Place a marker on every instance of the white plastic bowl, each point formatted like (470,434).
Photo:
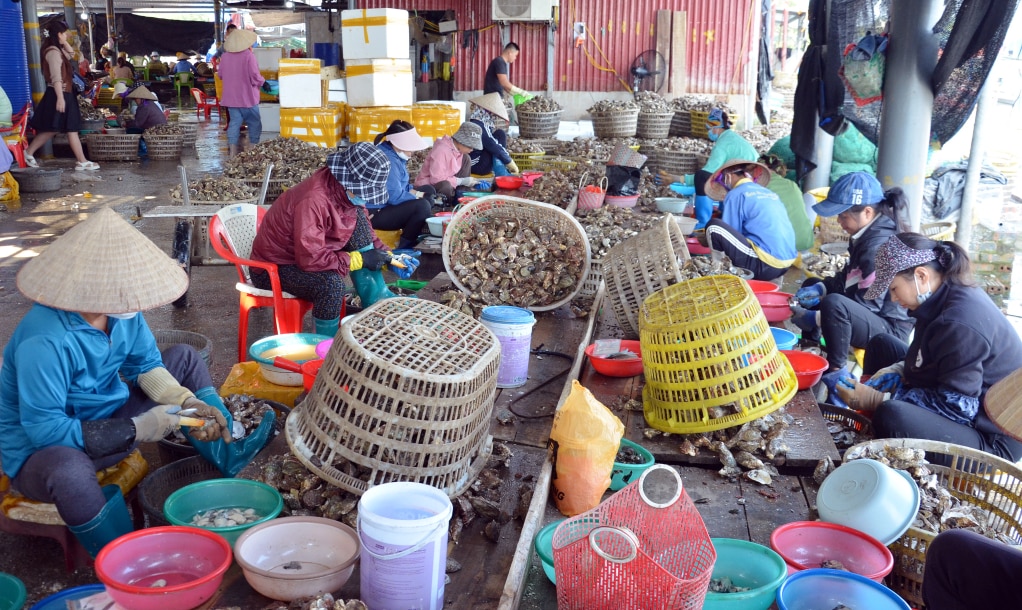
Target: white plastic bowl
(436,225)
(671,205)
(870,497)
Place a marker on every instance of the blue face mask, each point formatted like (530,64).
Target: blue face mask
(712,134)
(356,200)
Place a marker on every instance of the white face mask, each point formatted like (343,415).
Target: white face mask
(402,155)
(123,316)
(921,296)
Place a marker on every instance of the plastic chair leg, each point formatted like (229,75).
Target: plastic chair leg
(19,154)
(242,331)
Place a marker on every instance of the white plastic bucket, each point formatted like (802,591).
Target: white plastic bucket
(403,529)
(513,327)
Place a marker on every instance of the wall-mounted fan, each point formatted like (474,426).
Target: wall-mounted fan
(649,71)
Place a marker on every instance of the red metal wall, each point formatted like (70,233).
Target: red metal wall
(722,32)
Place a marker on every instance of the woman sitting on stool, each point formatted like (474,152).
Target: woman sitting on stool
(405,208)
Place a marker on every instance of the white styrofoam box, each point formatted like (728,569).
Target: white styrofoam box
(337,85)
(379,82)
(268,57)
(334,95)
(270,116)
(374,33)
(300,83)
(461,106)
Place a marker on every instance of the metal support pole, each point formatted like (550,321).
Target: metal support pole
(550,50)
(908,101)
(70,17)
(32,34)
(972,174)
(218,23)
(111,29)
(784,38)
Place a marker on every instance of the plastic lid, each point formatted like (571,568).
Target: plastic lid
(507,314)
(58,601)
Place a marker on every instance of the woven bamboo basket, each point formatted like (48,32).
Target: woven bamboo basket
(164,147)
(640,266)
(681,124)
(939,231)
(103,147)
(831,231)
(526,161)
(37,179)
(974,477)
(654,125)
(709,357)
(678,162)
(538,124)
(618,124)
(405,394)
(190,129)
(591,285)
(480,214)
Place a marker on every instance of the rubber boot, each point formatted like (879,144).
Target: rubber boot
(370,286)
(326,327)
(112,522)
(704,210)
(232,150)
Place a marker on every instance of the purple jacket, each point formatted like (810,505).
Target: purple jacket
(240,73)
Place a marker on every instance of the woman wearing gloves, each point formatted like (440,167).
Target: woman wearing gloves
(82,381)
(935,387)
(448,166)
(405,208)
(493,157)
(836,307)
(319,231)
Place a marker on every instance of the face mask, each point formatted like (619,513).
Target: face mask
(123,316)
(921,296)
(712,134)
(401,155)
(356,200)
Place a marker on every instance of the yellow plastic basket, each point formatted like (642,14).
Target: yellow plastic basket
(526,161)
(709,358)
(939,231)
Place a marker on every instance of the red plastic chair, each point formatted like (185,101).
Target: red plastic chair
(17,139)
(204,102)
(232,231)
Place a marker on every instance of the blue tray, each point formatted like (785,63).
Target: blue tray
(58,601)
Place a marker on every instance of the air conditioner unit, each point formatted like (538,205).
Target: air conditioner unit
(523,10)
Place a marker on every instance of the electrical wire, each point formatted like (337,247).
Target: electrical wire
(539,351)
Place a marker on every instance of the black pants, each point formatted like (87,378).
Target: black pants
(408,217)
(324,289)
(902,419)
(846,323)
(965,570)
(722,237)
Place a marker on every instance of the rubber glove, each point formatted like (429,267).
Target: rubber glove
(468,181)
(810,296)
(374,259)
(518,90)
(156,423)
(513,167)
(215,428)
(860,396)
(266,87)
(665,177)
(410,265)
(805,319)
(888,379)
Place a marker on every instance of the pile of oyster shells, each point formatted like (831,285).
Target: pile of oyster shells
(415,161)
(558,187)
(693,102)
(603,106)
(215,188)
(520,145)
(650,101)
(324,601)
(293,159)
(166,129)
(88,111)
(608,226)
(540,103)
(593,148)
(823,264)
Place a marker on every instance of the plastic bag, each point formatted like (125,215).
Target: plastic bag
(586,437)
(231,458)
(623,180)
(863,67)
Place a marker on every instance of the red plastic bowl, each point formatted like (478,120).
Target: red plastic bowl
(191,561)
(762,286)
(807,544)
(612,367)
(694,247)
(509,182)
(775,305)
(808,367)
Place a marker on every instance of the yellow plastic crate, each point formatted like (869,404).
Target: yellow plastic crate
(364,124)
(526,161)
(709,357)
(699,119)
(435,120)
(322,127)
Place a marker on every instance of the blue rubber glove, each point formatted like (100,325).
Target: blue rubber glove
(810,295)
(410,265)
(805,319)
(408,251)
(888,382)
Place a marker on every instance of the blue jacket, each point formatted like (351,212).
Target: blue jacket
(58,370)
(482,160)
(758,214)
(399,186)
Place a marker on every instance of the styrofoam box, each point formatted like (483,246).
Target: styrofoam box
(374,33)
(379,82)
(337,84)
(270,116)
(268,57)
(300,84)
(337,96)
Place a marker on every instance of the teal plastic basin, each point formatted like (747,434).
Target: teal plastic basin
(12,592)
(545,549)
(623,474)
(747,564)
(185,503)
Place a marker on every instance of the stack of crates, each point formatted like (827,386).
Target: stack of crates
(378,70)
(304,111)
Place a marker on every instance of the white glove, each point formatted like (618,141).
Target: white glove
(468,181)
(518,90)
(156,423)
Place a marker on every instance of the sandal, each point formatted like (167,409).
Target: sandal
(83,166)
(30,161)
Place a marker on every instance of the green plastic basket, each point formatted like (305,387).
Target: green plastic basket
(186,502)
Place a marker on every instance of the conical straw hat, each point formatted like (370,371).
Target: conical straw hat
(1003,404)
(491,102)
(103,265)
(239,40)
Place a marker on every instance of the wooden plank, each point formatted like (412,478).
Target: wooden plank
(663,37)
(768,506)
(679,53)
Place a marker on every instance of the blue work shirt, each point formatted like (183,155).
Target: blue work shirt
(399,187)
(58,371)
(758,214)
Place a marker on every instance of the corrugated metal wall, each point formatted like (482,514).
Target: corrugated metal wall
(722,32)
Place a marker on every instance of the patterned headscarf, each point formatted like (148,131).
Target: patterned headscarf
(482,115)
(892,258)
(362,170)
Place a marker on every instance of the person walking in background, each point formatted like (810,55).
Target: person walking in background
(239,71)
(58,111)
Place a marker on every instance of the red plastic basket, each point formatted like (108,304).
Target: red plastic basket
(631,553)
(590,197)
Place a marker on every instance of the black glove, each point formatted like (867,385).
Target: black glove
(266,86)
(374,259)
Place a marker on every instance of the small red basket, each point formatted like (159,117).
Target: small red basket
(590,197)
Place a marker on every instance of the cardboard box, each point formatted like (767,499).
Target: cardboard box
(374,33)
(322,126)
(365,123)
(379,82)
(300,83)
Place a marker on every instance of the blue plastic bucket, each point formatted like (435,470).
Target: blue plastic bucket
(785,339)
(513,327)
(329,52)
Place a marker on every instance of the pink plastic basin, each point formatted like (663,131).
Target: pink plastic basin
(807,544)
(775,305)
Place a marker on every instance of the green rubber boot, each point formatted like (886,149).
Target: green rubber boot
(112,522)
(370,286)
(326,327)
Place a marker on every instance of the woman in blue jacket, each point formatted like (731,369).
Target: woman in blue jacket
(406,208)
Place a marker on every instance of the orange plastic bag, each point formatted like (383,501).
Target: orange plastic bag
(586,437)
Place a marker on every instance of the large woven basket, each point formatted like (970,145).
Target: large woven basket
(654,125)
(404,394)
(487,212)
(103,147)
(164,147)
(831,231)
(201,343)
(591,285)
(154,490)
(681,124)
(37,179)
(678,162)
(538,124)
(190,129)
(709,357)
(974,477)
(639,266)
(615,124)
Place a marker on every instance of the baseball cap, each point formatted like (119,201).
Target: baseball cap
(856,188)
